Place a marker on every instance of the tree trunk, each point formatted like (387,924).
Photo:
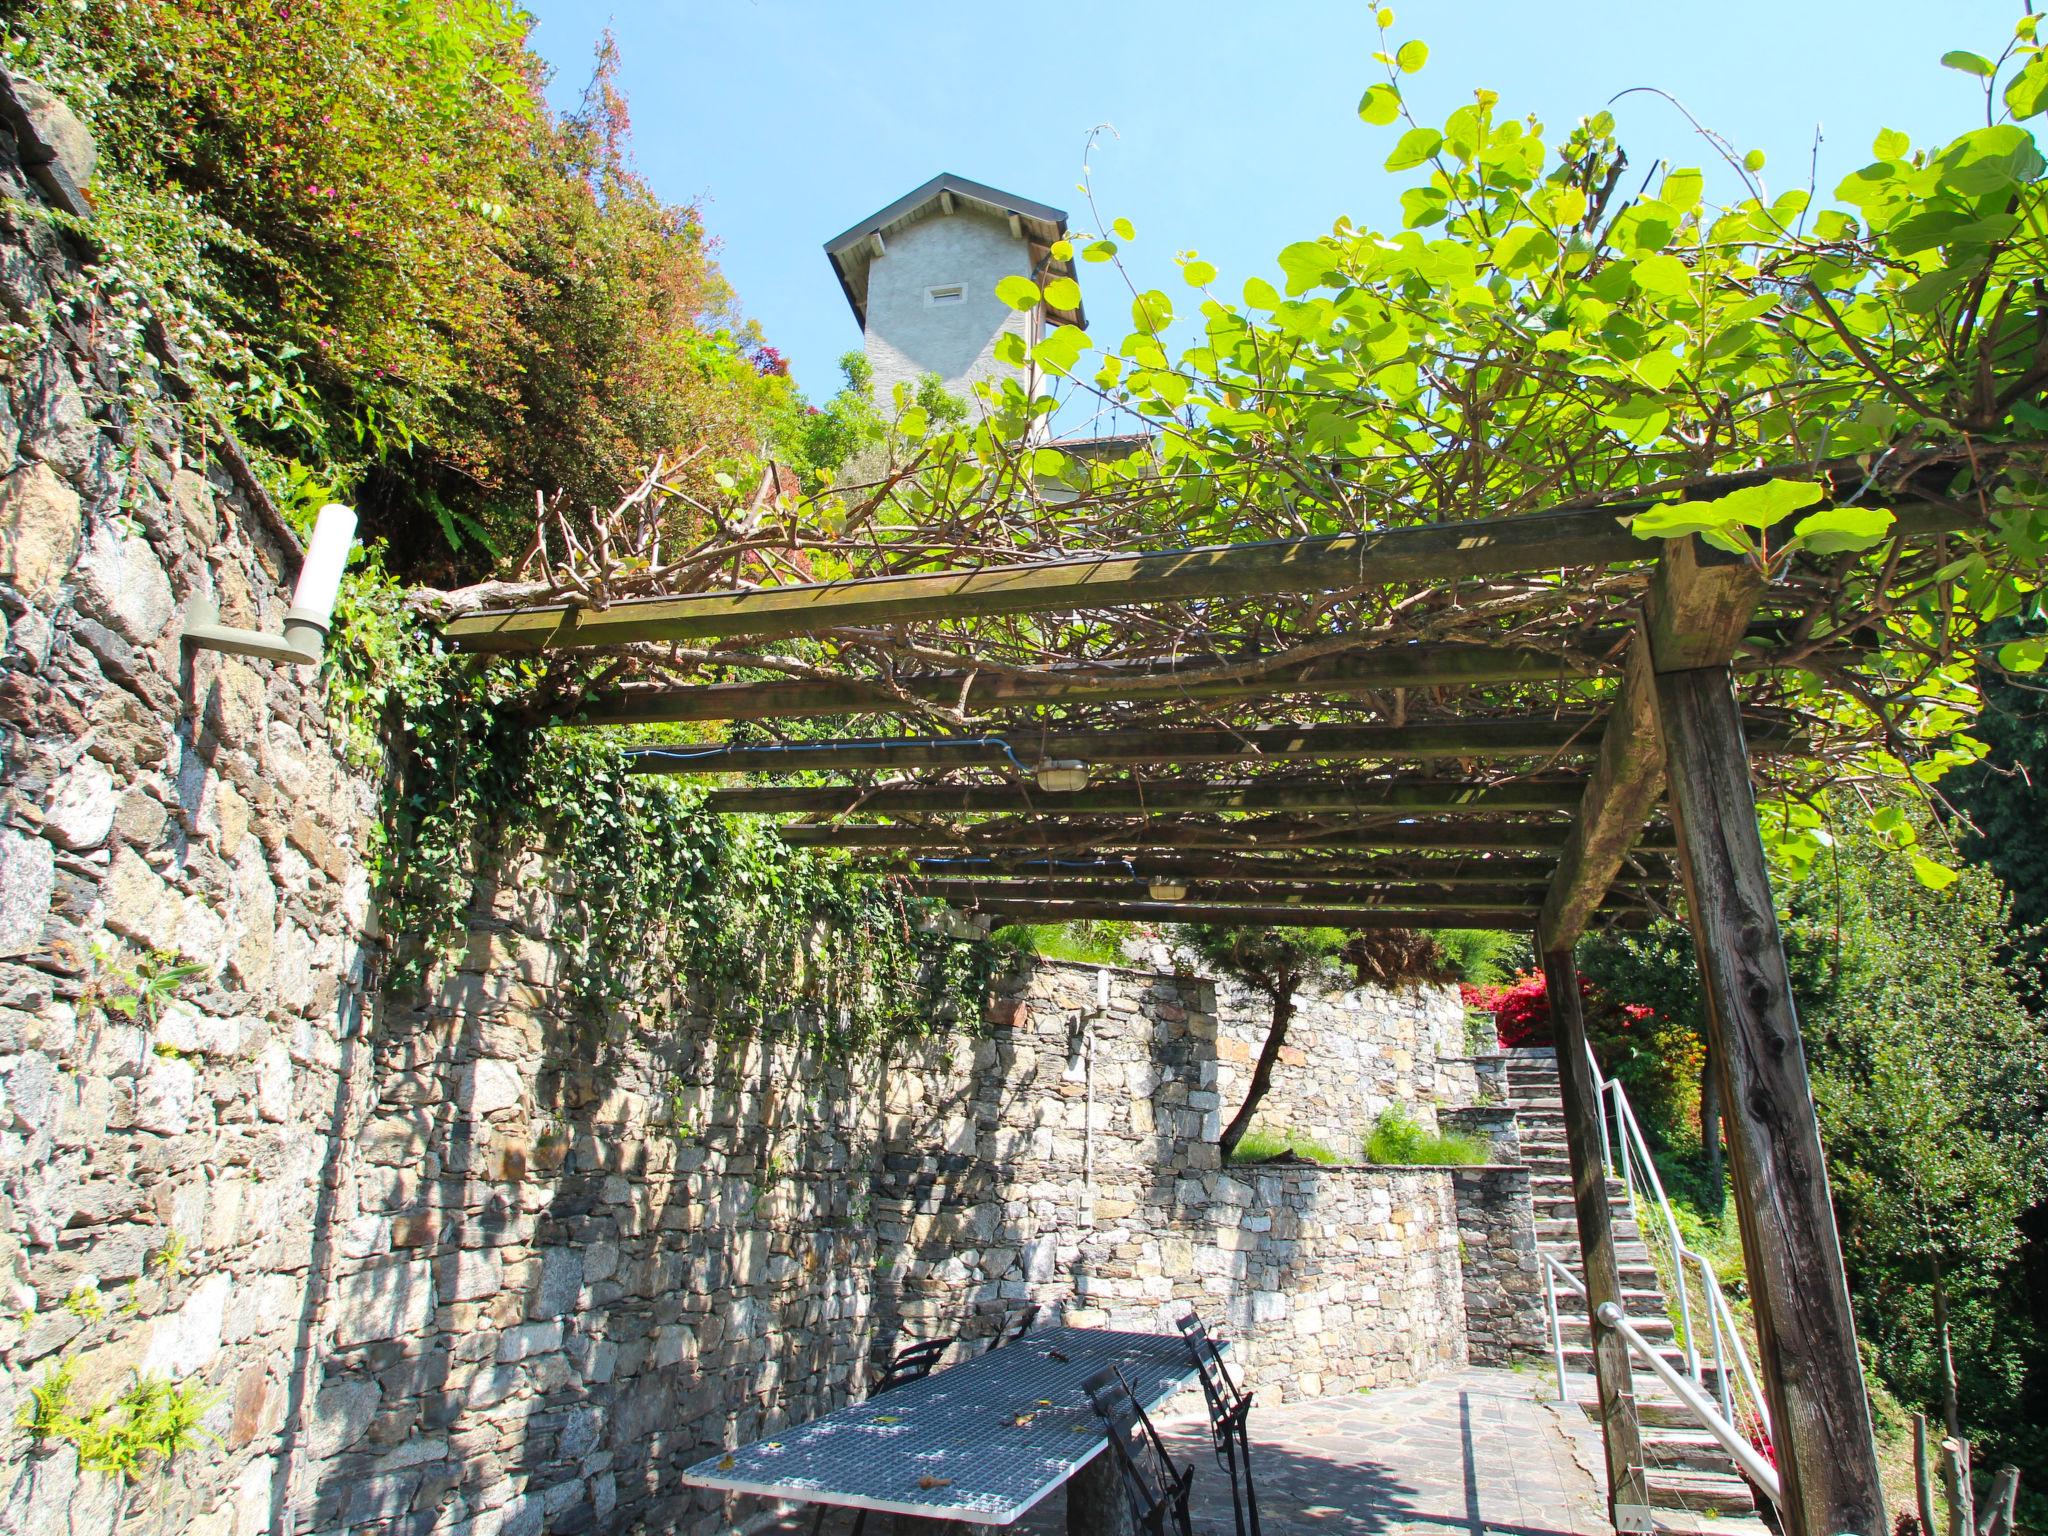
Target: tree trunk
(1923,1476)
(1262,1074)
(1955,1482)
(1996,1518)
(1944,1354)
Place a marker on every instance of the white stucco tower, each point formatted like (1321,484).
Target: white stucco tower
(921,277)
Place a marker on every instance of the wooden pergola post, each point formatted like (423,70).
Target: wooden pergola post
(1628,1491)
(1806,1335)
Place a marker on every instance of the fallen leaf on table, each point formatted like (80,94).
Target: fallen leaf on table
(886,1418)
(935,1482)
(1045,1402)
(1022,1419)
(726,1463)
(1054,1354)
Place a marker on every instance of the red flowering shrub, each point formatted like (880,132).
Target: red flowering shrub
(1521,1012)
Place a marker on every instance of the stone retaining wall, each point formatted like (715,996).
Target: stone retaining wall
(1076,1165)
(1349,1055)
(1501,1282)
(165,1171)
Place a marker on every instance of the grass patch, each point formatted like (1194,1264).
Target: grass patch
(1091,943)
(1263,1146)
(1396,1140)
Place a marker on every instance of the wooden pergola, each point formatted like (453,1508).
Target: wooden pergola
(1572,774)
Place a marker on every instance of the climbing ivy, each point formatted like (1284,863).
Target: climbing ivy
(657,893)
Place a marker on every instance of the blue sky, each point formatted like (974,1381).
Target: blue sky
(1236,120)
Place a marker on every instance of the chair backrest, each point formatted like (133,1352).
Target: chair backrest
(1016,1328)
(1222,1393)
(1157,1489)
(911,1363)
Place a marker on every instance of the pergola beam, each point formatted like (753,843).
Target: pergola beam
(1455,870)
(1532,542)
(1138,798)
(1520,736)
(1272,836)
(1374,669)
(1563,736)
(1037,911)
(1542,541)
(1485,898)
(1701,603)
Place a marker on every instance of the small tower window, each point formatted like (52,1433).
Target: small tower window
(951,293)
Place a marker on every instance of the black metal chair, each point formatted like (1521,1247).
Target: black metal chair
(1230,1410)
(913,1362)
(1013,1330)
(1157,1489)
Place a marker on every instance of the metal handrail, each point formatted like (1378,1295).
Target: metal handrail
(1754,1467)
(1627,1153)
(1717,1420)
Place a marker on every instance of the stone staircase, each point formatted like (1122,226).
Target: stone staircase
(1694,1486)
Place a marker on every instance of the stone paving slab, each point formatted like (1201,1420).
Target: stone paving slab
(1473,1453)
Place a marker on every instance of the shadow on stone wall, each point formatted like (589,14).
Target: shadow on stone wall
(575,1258)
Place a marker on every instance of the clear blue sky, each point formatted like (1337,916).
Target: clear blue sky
(791,119)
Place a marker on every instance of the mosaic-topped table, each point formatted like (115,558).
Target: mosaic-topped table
(982,1441)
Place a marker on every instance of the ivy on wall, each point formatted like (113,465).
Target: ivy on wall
(657,894)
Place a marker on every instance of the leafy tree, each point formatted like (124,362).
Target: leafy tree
(2002,794)
(393,271)
(1277,962)
(1931,1080)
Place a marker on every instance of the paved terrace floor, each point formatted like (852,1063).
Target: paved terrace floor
(1478,1453)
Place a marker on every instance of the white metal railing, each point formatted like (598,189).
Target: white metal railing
(1627,1155)
(1683,1385)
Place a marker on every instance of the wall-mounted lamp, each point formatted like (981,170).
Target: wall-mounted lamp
(1169,890)
(1062,776)
(307,620)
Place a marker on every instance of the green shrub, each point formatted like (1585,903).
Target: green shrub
(1263,1146)
(1092,943)
(1396,1140)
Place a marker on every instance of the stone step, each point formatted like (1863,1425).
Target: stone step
(1671,1522)
(1560,1229)
(1654,1410)
(1561,1204)
(1579,1357)
(1651,1324)
(1685,1445)
(1717,1493)
(1559,1186)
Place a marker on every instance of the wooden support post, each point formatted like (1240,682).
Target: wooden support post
(1628,1492)
(1806,1334)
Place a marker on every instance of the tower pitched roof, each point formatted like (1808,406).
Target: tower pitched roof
(1037,223)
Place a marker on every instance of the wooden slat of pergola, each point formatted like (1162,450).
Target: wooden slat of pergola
(1037,909)
(1273,834)
(1562,736)
(1433,552)
(1273,891)
(1138,797)
(1325,869)
(1586,536)
(1209,681)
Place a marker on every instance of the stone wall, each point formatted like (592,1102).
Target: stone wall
(1071,1161)
(1500,1278)
(164,1170)
(575,1256)
(1349,1055)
